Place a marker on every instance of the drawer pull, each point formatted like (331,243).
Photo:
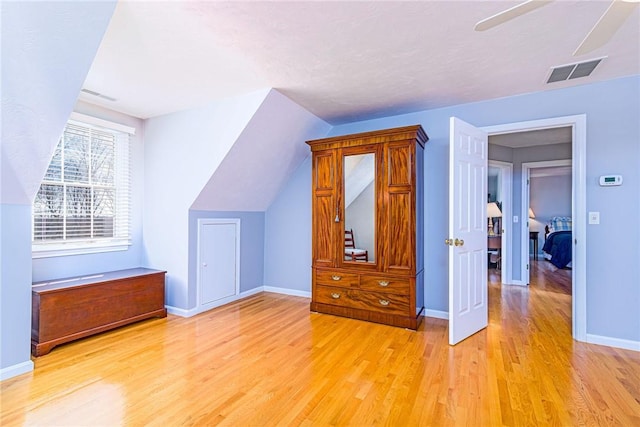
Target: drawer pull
(336,278)
(336,295)
(384,302)
(383,283)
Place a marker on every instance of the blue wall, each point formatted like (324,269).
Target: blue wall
(613,135)
(15,285)
(43,66)
(288,234)
(251,248)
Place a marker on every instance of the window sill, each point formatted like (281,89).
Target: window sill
(71,249)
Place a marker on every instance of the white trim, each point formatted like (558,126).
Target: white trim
(209,221)
(518,283)
(37,252)
(613,342)
(224,301)
(102,123)
(286,291)
(578,124)
(218,303)
(438,314)
(506,173)
(180,311)
(15,370)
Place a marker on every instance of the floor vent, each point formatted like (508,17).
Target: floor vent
(99,95)
(573,71)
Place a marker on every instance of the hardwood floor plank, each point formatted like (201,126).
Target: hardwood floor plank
(267,360)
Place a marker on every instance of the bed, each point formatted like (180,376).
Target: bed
(558,242)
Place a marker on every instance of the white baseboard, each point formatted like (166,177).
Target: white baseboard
(437,314)
(181,311)
(613,342)
(517,283)
(197,310)
(287,291)
(15,370)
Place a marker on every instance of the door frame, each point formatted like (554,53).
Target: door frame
(215,221)
(526,196)
(506,190)
(578,124)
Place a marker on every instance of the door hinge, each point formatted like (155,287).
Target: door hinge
(527,266)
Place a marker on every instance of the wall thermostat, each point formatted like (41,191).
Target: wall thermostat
(610,180)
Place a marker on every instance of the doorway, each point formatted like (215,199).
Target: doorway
(577,124)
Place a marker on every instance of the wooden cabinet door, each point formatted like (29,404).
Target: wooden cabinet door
(324,207)
(400,218)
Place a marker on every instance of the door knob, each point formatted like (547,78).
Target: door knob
(448,242)
(459,242)
(204,264)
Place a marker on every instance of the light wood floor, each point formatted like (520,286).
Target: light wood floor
(267,361)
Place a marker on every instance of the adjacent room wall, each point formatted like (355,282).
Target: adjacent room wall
(549,196)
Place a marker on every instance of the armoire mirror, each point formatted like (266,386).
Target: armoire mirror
(359,207)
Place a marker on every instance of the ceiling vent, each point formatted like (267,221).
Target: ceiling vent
(99,95)
(573,71)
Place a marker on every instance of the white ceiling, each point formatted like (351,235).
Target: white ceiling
(344,61)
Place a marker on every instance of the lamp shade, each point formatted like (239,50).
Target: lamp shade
(531,214)
(493,210)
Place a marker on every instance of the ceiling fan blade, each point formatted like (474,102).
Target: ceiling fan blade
(510,14)
(606,27)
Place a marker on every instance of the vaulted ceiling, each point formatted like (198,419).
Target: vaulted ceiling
(344,61)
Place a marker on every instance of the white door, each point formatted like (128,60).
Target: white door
(218,258)
(468,308)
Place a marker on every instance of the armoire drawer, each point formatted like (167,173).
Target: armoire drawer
(385,284)
(336,278)
(353,298)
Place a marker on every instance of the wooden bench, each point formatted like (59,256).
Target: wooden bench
(68,309)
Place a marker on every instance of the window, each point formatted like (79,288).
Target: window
(83,204)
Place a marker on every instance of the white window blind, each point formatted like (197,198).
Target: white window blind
(84,201)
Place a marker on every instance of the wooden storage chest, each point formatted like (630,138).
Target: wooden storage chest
(68,309)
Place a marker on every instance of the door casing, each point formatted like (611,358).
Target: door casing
(578,124)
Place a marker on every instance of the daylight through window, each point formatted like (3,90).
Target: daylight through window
(84,199)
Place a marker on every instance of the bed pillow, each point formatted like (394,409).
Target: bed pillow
(560,223)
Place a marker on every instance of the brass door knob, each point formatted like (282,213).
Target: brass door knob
(448,242)
(459,242)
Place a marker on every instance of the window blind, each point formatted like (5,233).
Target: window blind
(85,197)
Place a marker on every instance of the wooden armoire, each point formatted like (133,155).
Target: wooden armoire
(369,186)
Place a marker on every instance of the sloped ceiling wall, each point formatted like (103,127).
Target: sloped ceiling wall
(263,158)
(47,49)
(182,152)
